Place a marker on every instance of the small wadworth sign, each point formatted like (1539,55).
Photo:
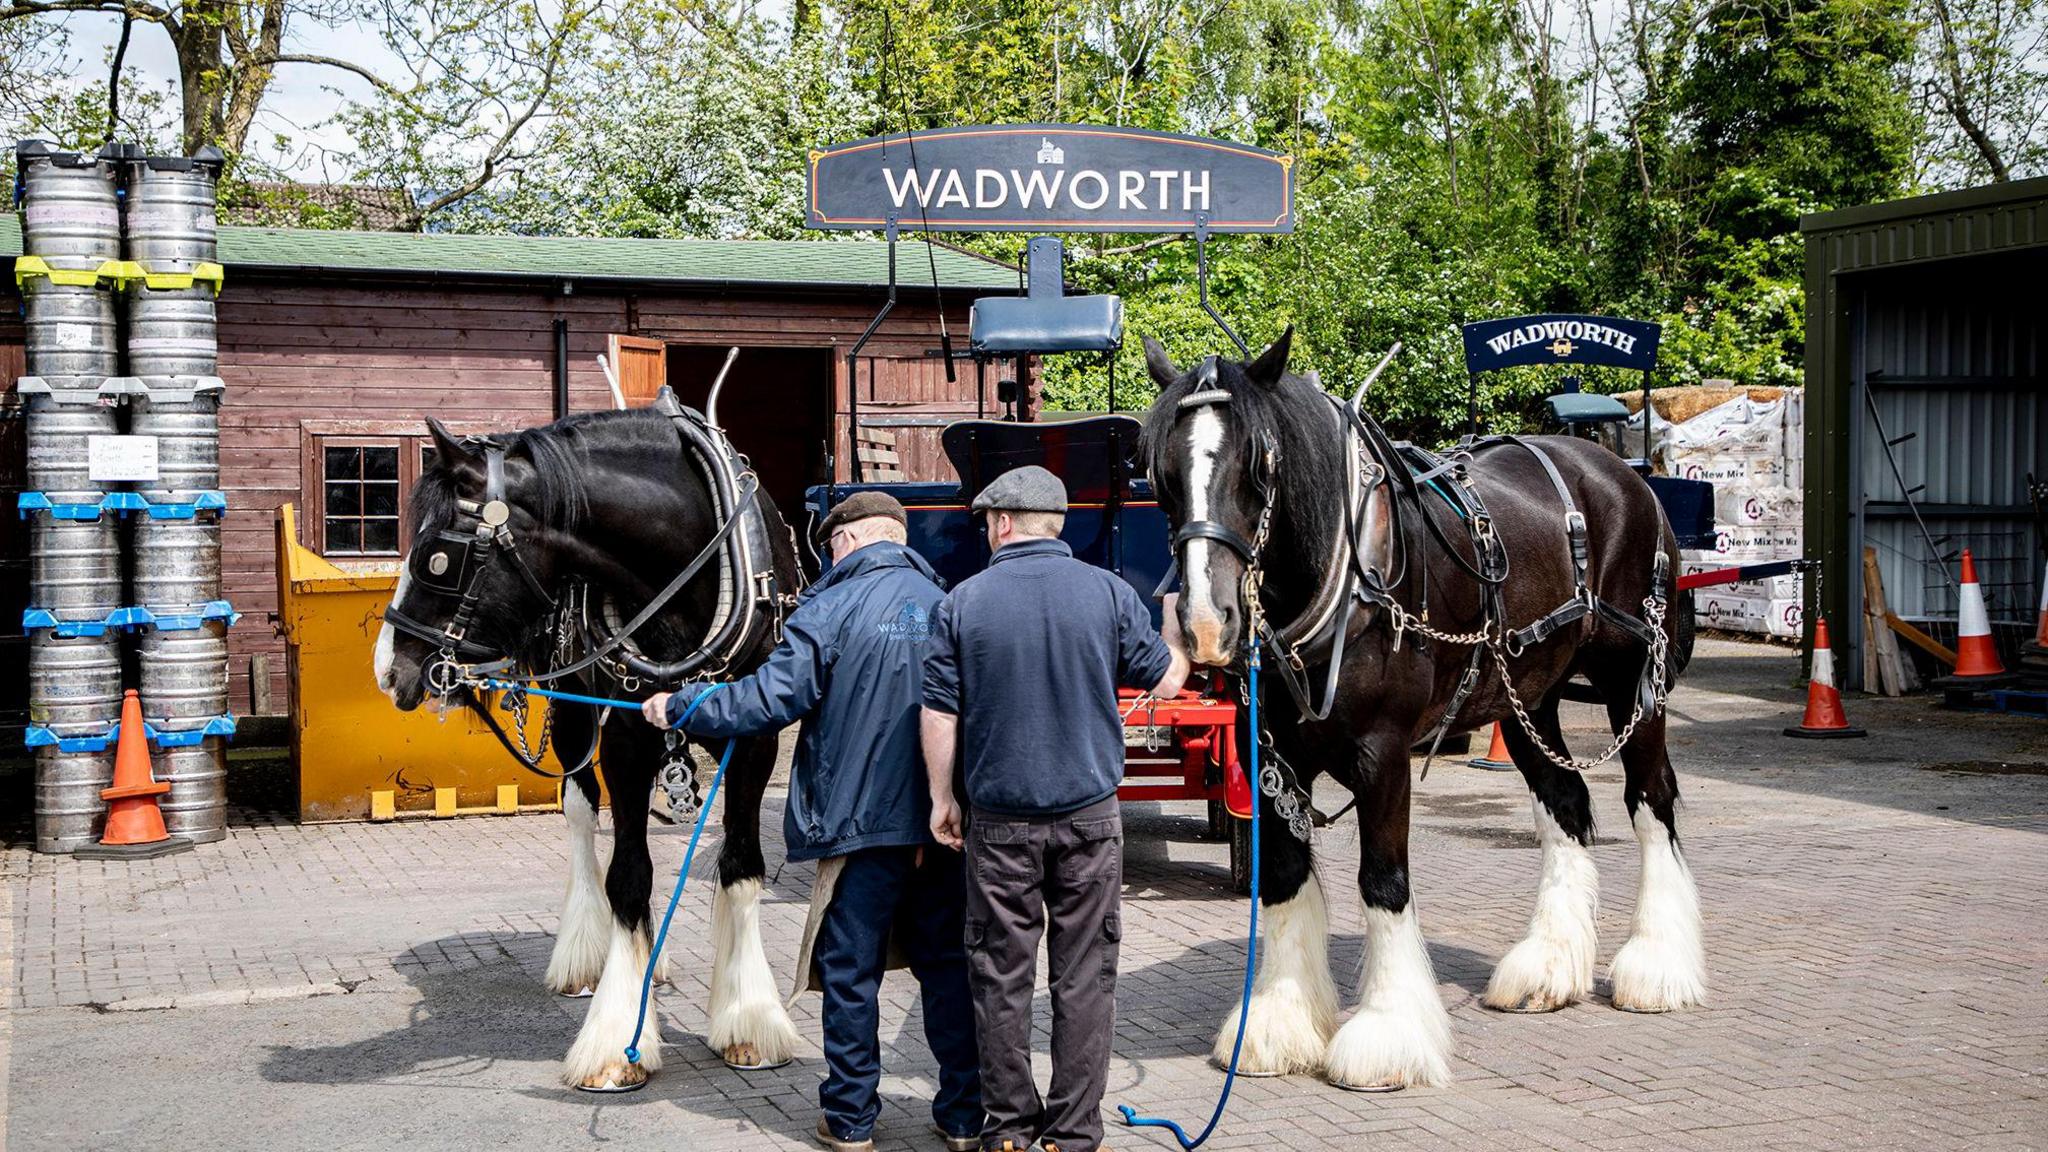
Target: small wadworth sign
(1053,177)
(1553,339)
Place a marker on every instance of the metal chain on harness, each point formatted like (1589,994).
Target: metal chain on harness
(1653,615)
(1274,779)
(1493,635)
(678,777)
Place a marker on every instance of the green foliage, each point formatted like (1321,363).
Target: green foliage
(1455,160)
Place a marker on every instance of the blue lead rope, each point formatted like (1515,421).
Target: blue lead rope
(682,877)
(703,814)
(573,698)
(1251,958)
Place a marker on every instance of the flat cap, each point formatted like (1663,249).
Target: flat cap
(1026,489)
(861,506)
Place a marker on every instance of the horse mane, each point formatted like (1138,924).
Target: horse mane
(1311,450)
(559,453)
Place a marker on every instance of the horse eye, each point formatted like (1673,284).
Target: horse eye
(437,563)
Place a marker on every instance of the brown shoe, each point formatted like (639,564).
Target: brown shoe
(826,1138)
(957,1143)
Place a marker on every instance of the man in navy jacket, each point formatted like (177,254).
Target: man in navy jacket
(851,667)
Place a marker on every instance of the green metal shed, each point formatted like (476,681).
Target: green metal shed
(1924,330)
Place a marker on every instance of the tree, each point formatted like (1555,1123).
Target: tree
(483,79)
(475,78)
(708,138)
(228,51)
(1982,84)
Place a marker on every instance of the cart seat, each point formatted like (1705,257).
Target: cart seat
(1574,408)
(1094,456)
(1024,325)
(1045,319)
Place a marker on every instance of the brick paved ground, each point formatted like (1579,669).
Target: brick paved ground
(1878,942)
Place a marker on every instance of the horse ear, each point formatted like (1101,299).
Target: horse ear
(1156,362)
(451,452)
(1272,363)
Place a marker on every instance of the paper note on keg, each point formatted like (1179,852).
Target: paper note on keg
(121,457)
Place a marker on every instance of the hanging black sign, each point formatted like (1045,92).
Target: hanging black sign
(1050,177)
(1552,339)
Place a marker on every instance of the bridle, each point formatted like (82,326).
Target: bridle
(455,565)
(1347,577)
(456,561)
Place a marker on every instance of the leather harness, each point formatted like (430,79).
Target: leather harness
(1318,635)
(749,605)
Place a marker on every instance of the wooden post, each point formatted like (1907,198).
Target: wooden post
(259,684)
(1895,675)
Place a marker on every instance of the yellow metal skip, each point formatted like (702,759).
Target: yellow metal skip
(357,757)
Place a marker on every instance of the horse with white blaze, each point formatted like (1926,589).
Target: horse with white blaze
(1402,596)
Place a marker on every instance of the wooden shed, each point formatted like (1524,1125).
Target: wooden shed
(336,345)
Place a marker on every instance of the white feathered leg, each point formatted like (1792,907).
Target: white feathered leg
(598,1058)
(1401,1034)
(748,1022)
(1294,1002)
(1553,965)
(586,926)
(1663,966)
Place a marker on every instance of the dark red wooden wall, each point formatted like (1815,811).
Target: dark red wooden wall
(301,360)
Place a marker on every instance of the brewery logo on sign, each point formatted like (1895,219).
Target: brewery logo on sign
(1069,177)
(1492,344)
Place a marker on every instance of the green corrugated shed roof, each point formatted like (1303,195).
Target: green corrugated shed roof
(784,263)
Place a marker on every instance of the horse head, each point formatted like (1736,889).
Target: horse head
(1214,466)
(475,586)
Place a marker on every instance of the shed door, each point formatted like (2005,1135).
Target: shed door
(642,365)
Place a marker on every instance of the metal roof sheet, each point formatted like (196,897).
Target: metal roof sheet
(1965,222)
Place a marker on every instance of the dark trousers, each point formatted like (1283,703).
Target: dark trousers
(1062,876)
(881,889)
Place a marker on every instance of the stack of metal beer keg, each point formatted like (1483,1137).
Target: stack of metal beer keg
(118,278)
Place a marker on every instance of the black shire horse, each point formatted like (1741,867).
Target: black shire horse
(1231,441)
(606,507)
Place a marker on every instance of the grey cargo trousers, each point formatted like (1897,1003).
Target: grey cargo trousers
(1063,876)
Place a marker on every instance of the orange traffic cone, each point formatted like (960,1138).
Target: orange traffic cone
(1976,653)
(135,825)
(1496,758)
(1824,719)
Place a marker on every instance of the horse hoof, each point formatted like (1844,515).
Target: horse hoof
(583,993)
(1247,1073)
(1383,1087)
(1535,1005)
(746,1058)
(1642,1009)
(618,1077)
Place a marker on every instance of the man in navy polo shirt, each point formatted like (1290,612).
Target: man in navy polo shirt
(1020,691)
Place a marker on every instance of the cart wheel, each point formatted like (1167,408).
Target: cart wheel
(1219,820)
(1240,855)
